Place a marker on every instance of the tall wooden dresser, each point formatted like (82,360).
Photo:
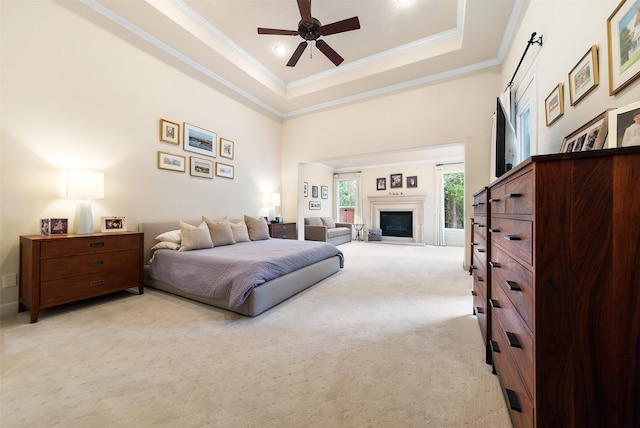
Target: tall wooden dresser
(565,289)
(481,281)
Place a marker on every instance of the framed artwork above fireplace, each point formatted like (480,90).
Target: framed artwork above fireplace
(396,181)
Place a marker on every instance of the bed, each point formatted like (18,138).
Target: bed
(273,273)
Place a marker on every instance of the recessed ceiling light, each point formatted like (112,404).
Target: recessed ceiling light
(281,50)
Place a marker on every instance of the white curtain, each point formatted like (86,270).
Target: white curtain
(439,197)
(336,197)
(358,213)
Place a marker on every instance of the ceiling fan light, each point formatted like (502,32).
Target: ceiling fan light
(281,50)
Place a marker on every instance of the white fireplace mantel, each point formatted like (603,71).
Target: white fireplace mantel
(413,203)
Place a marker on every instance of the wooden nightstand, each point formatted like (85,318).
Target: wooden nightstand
(283,230)
(59,269)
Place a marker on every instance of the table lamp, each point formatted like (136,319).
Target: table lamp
(271,201)
(84,185)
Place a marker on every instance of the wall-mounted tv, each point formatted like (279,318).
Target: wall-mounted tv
(505,140)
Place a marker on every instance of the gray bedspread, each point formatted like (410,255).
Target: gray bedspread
(232,271)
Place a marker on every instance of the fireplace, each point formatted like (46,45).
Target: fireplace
(397,223)
(409,213)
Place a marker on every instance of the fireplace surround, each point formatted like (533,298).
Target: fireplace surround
(403,203)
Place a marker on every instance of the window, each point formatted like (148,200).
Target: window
(453,186)
(347,200)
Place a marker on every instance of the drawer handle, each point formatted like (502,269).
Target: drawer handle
(96,263)
(513,286)
(494,346)
(474,293)
(513,340)
(475,205)
(512,195)
(479,310)
(481,250)
(494,230)
(96,283)
(480,279)
(512,398)
(492,200)
(96,244)
(494,265)
(512,237)
(474,267)
(479,225)
(494,303)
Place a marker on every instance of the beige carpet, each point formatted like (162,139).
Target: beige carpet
(387,342)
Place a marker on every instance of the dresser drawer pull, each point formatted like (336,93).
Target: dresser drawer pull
(494,230)
(513,340)
(479,310)
(481,250)
(96,263)
(479,225)
(96,283)
(474,267)
(494,265)
(494,303)
(512,237)
(513,286)
(480,279)
(96,244)
(475,205)
(494,346)
(512,398)
(512,195)
(492,200)
(474,293)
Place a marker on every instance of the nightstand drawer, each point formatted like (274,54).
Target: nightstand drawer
(73,246)
(283,230)
(56,268)
(66,290)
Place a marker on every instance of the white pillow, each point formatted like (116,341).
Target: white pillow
(195,238)
(240,232)
(258,228)
(165,245)
(170,236)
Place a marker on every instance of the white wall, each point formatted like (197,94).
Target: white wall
(74,95)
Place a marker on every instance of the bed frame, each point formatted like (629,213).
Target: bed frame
(262,297)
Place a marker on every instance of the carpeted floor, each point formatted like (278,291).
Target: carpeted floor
(389,341)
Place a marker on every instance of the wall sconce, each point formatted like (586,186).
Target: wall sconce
(84,185)
(271,201)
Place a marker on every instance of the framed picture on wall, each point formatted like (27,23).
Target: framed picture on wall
(199,140)
(201,167)
(554,104)
(171,162)
(324,192)
(584,76)
(314,191)
(381,183)
(224,170)
(396,181)
(624,61)
(314,205)
(305,189)
(169,132)
(226,148)
(412,182)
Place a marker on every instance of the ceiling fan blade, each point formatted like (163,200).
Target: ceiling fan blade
(340,26)
(277,32)
(305,12)
(329,52)
(297,54)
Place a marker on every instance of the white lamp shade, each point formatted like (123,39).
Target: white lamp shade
(271,199)
(85,184)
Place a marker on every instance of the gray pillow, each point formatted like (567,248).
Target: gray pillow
(258,228)
(328,221)
(195,238)
(220,231)
(313,221)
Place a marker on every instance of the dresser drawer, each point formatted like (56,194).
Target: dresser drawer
(518,195)
(65,267)
(519,404)
(73,246)
(497,200)
(515,236)
(517,338)
(515,281)
(480,309)
(66,290)
(479,244)
(480,203)
(480,225)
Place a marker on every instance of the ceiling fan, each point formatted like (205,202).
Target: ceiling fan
(309,28)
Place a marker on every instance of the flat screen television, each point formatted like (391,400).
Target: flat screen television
(505,140)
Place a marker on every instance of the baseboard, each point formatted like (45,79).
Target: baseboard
(9,308)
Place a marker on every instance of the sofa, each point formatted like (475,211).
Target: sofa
(325,229)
